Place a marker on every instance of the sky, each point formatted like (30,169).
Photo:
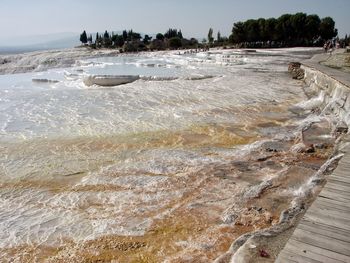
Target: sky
(194,17)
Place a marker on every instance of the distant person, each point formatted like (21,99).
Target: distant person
(325,47)
(330,47)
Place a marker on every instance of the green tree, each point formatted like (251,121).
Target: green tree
(147,39)
(287,30)
(238,33)
(106,35)
(327,30)
(252,30)
(90,39)
(298,32)
(160,36)
(83,37)
(270,29)
(125,35)
(263,33)
(218,38)
(179,34)
(312,26)
(157,44)
(132,36)
(210,36)
(175,42)
(118,40)
(284,28)
(173,33)
(194,42)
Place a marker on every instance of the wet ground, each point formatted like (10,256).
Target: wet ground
(237,179)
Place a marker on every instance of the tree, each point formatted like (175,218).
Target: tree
(106,35)
(194,42)
(287,30)
(118,40)
(270,29)
(298,22)
(172,33)
(83,38)
(147,39)
(131,35)
(283,28)
(210,36)
(218,38)
(238,33)
(89,39)
(327,30)
(160,36)
(175,42)
(263,33)
(252,30)
(312,26)
(125,35)
(179,34)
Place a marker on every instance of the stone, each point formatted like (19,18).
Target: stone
(293,66)
(298,73)
(341,127)
(310,149)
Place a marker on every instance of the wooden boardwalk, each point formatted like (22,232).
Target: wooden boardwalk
(323,234)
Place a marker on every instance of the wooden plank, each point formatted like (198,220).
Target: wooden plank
(317,253)
(331,198)
(291,256)
(323,199)
(333,195)
(341,171)
(340,178)
(338,186)
(342,168)
(331,210)
(345,194)
(332,217)
(333,203)
(282,258)
(345,160)
(326,243)
(335,181)
(323,234)
(345,163)
(326,221)
(340,174)
(325,230)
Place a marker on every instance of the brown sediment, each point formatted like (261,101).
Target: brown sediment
(194,227)
(189,228)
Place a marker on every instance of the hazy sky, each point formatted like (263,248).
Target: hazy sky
(194,17)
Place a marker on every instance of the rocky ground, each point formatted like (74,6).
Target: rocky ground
(43,60)
(339,59)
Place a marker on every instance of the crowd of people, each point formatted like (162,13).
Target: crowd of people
(330,45)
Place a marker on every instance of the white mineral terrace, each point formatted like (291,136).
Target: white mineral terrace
(176,165)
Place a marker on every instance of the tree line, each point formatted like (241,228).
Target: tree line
(288,30)
(130,41)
